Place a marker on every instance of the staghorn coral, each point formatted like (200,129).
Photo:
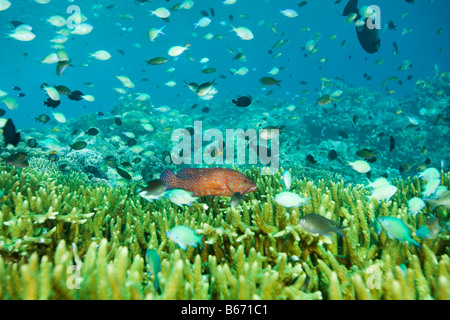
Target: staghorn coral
(63,238)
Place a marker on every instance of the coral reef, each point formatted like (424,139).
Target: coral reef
(63,238)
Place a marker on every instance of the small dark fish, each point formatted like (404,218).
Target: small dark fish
(368,127)
(395,49)
(230,17)
(18,160)
(242,101)
(92,131)
(391,143)
(127,165)
(268,81)
(131,142)
(236,199)
(204,13)
(366,153)
(21,95)
(10,134)
(410,1)
(140,2)
(16,23)
(52,103)
(2,112)
(332,155)
(302,4)
(154,263)
(32,143)
(79,145)
(311,159)
(53,157)
(76,95)
(206,109)
(111,161)
(153,191)
(62,90)
(43,118)
(117,121)
(15,88)
(343,134)
(62,66)
(209,70)
(428,161)
(316,223)
(156,61)
(123,173)
(213,13)
(355,118)
(391,25)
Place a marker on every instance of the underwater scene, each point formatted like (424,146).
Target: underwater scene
(224,150)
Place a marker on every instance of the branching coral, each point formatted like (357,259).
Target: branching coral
(64,238)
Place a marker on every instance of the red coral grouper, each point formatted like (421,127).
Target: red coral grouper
(208,181)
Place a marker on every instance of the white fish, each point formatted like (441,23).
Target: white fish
(287,178)
(243,33)
(11,103)
(242,71)
(177,50)
(171,83)
(290,13)
(384,192)
(290,199)
(274,71)
(88,97)
(310,46)
(59,39)
(22,34)
(415,205)
(377,183)
(431,187)
(148,127)
(57,21)
(126,81)
(101,55)
(50,143)
(229,1)
(360,166)
(203,22)
(187,4)
(153,33)
(161,12)
(59,117)
(143,97)
(136,148)
(180,197)
(82,29)
(52,92)
(430,173)
(4,4)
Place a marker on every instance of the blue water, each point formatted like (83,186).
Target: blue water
(20,61)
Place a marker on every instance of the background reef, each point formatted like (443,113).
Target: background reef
(63,236)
